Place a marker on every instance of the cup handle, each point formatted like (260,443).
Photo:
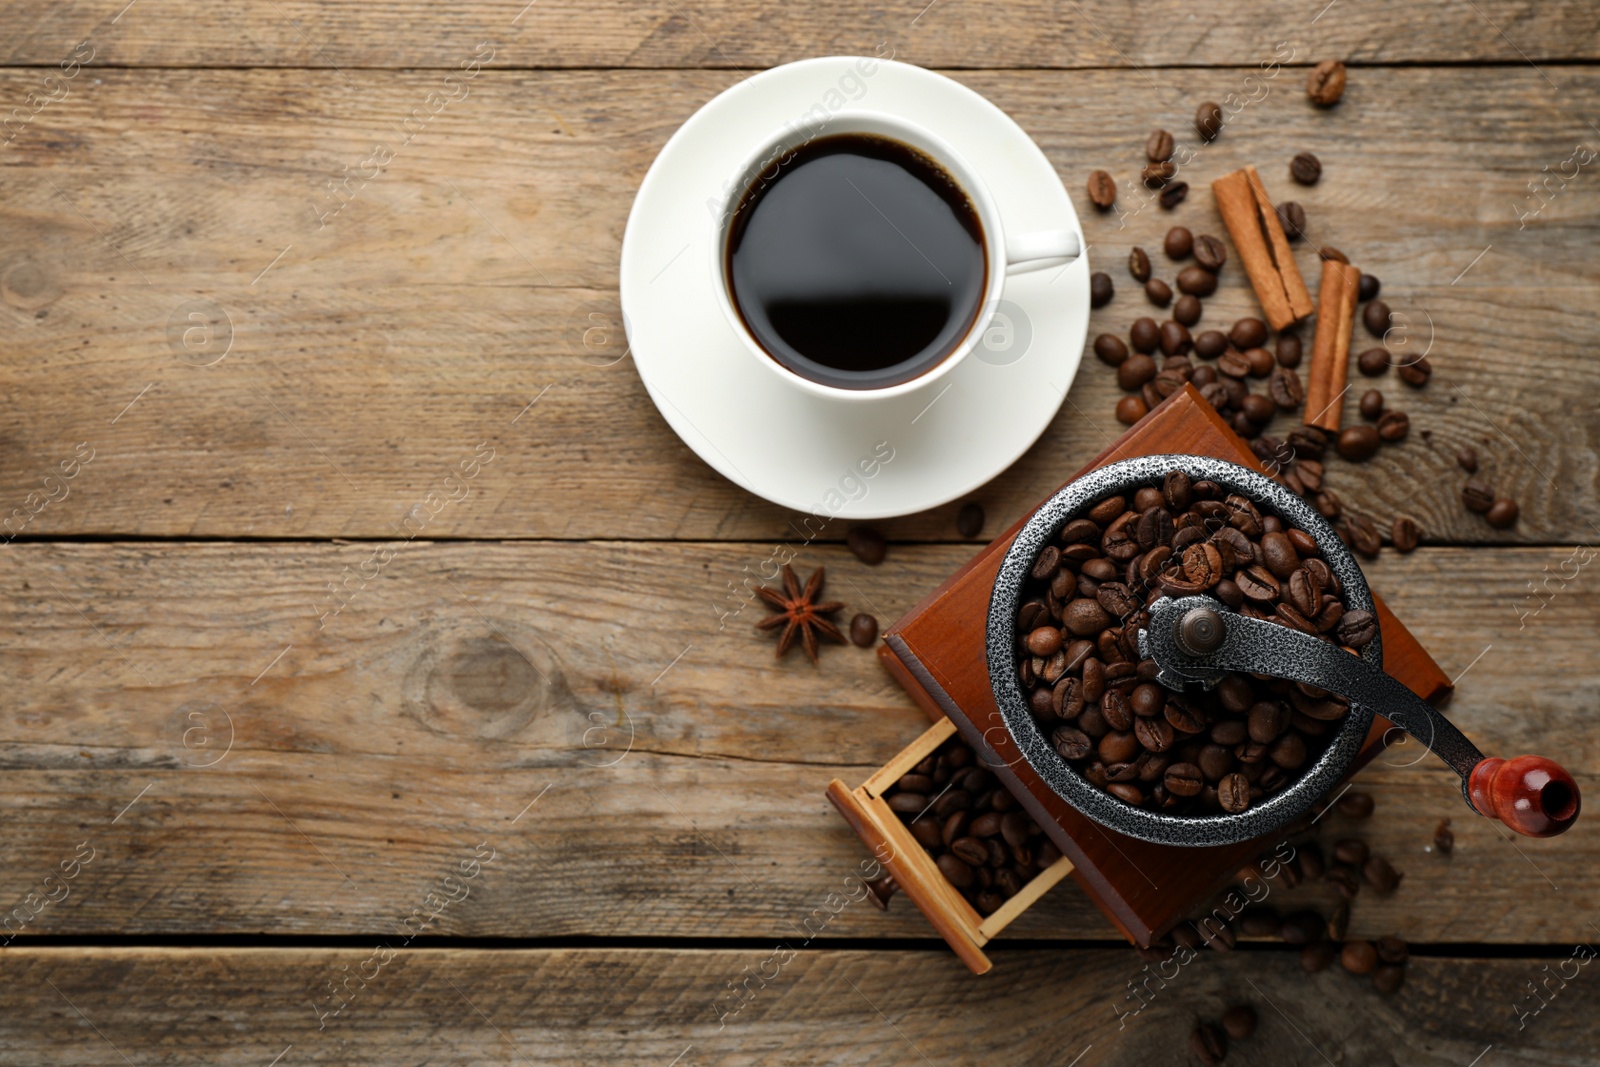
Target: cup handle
(1040,250)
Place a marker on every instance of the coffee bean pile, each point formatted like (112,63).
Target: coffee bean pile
(1101,706)
(982,841)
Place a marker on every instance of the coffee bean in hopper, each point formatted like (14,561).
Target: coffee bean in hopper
(1102,190)
(867,545)
(1305,168)
(1208,121)
(1101,289)
(1325,83)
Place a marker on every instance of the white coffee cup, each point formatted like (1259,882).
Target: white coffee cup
(1004,254)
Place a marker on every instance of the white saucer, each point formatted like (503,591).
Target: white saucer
(852,459)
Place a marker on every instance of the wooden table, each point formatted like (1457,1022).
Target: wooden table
(316,721)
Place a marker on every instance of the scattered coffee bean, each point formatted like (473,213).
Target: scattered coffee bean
(1325,83)
(1130,409)
(1208,121)
(1102,190)
(1188,309)
(1392,950)
(1371,400)
(864,630)
(1239,1021)
(1417,372)
(1289,350)
(1175,340)
(1444,838)
(1173,195)
(1144,336)
(1156,175)
(1158,292)
(1305,168)
(1110,349)
(1380,874)
(1373,362)
(1208,1043)
(1405,534)
(969,520)
(1101,289)
(1358,443)
(1477,496)
(1197,281)
(1248,333)
(1285,389)
(1317,957)
(867,545)
(1158,149)
(1292,217)
(1393,426)
(1502,514)
(1368,289)
(1210,253)
(1358,957)
(1179,242)
(1351,850)
(1356,805)
(1467,457)
(1361,534)
(1211,344)
(1376,316)
(1139,265)
(1387,980)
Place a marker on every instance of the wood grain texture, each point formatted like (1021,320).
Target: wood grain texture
(645,1007)
(370,355)
(726,33)
(685,770)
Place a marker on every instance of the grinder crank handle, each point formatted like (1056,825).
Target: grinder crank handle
(1196,639)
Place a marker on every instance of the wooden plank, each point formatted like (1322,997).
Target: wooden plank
(645,1007)
(370,356)
(725,33)
(685,770)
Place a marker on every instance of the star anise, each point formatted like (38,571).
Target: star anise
(799,613)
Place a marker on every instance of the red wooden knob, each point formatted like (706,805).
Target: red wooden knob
(1534,796)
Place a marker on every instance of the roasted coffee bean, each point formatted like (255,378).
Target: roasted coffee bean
(1233,792)
(1417,372)
(1288,350)
(1292,217)
(1188,309)
(1477,496)
(1208,1043)
(1392,950)
(1376,317)
(1158,292)
(1233,364)
(1177,490)
(1371,400)
(908,803)
(958,873)
(1259,408)
(867,545)
(1261,362)
(1285,389)
(1070,744)
(1179,242)
(1108,509)
(1357,627)
(1248,333)
(1380,874)
(1101,290)
(1102,189)
(1405,534)
(1317,957)
(1368,288)
(1208,121)
(926,831)
(863,630)
(1394,426)
(1305,168)
(1175,340)
(969,520)
(970,850)
(1111,349)
(1358,443)
(1358,957)
(1467,457)
(1351,850)
(1267,720)
(1197,281)
(1156,175)
(1502,514)
(1082,617)
(1046,564)
(1373,362)
(1158,148)
(1239,1022)
(1172,195)
(1183,780)
(1139,265)
(1387,979)
(1210,253)
(1210,344)
(1144,335)
(1360,533)
(1155,735)
(1325,83)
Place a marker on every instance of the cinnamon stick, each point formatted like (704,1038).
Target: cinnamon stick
(1263,248)
(1330,350)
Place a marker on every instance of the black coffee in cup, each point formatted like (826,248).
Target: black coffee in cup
(859,264)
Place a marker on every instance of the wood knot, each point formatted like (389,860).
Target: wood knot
(491,686)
